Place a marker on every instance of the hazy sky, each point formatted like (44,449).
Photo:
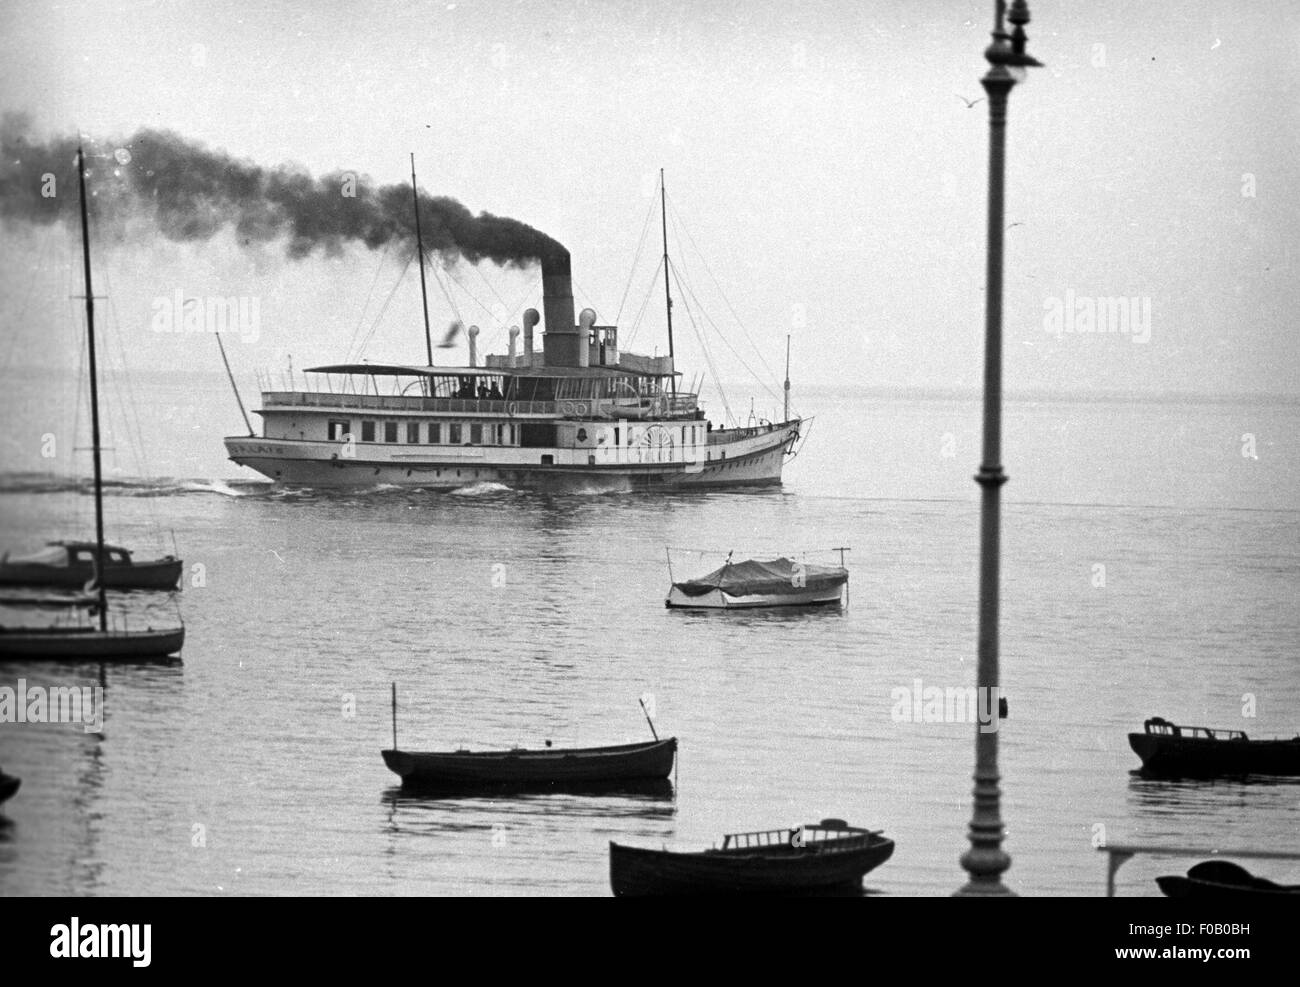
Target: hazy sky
(817,153)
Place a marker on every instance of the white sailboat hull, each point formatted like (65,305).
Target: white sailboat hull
(720,600)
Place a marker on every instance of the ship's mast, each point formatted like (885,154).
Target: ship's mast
(94,399)
(786,417)
(668,297)
(419,246)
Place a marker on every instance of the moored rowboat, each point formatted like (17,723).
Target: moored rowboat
(548,768)
(753,583)
(1170,751)
(824,858)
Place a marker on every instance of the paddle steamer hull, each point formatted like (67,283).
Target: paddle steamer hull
(753,458)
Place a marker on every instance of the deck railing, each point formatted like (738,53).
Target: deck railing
(787,837)
(577,407)
(1163,728)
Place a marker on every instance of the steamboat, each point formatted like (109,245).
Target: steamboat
(578,411)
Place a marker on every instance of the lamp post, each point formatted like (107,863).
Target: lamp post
(985,861)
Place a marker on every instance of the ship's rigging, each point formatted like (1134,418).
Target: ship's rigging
(464,302)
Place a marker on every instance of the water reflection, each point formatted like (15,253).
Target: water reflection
(1165,795)
(763,616)
(413,811)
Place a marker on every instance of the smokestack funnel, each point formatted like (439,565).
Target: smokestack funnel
(514,345)
(473,346)
(531,318)
(564,345)
(586,322)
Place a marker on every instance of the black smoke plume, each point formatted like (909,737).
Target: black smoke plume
(190,193)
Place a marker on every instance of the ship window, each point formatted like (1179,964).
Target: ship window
(390,431)
(533,435)
(367,431)
(501,435)
(548,460)
(615,436)
(338,429)
(412,431)
(476,434)
(454,430)
(435,433)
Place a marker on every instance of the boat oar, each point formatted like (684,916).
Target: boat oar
(653,732)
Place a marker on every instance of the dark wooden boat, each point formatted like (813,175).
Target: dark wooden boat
(1223,879)
(820,859)
(1170,751)
(71,565)
(8,786)
(534,770)
(89,643)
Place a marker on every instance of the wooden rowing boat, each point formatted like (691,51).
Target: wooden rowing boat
(545,769)
(825,858)
(1171,751)
(643,767)
(1223,879)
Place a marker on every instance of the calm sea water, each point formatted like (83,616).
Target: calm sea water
(1149,568)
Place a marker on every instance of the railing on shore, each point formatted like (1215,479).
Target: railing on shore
(1119,853)
(682,404)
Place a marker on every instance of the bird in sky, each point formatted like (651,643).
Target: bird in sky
(449,340)
(969,103)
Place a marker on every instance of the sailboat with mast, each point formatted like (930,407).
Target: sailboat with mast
(98,642)
(580,412)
